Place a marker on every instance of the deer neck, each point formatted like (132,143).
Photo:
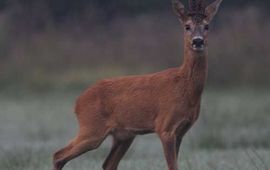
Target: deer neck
(194,70)
(195,63)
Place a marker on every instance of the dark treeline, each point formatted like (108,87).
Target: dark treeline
(61,10)
(84,40)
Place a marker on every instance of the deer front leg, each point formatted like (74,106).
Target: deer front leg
(178,143)
(169,141)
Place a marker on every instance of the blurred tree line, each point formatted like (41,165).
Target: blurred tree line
(57,11)
(39,38)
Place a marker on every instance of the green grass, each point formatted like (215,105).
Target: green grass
(232,133)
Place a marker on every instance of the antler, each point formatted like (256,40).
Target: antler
(197,9)
(192,6)
(196,6)
(201,6)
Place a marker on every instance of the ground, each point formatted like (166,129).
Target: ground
(232,133)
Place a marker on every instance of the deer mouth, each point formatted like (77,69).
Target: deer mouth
(198,47)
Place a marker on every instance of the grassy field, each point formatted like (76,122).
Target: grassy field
(233,133)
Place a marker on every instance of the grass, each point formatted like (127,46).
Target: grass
(232,133)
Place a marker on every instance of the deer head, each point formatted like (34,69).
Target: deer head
(196,22)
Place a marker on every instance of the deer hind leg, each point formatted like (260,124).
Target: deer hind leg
(81,144)
(117,152)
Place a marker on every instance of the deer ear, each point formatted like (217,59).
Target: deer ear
(212,9)
(179,10)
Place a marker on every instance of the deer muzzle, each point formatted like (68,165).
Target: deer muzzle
(198,43)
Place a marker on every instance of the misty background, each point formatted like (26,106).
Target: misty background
(65,44)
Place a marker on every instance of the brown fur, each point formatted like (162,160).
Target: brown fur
(166,103)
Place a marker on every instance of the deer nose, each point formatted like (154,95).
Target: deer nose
(197,42)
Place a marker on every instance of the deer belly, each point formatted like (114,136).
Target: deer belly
(136,116)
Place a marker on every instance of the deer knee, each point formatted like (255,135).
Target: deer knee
(56,157)
(58,163)
(60,153)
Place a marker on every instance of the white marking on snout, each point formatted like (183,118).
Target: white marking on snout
(198,37)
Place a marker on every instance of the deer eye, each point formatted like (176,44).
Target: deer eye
(187,27)
(206,27)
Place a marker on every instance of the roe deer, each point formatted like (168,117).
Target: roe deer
(166,103)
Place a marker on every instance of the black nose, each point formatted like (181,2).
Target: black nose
(197,42)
